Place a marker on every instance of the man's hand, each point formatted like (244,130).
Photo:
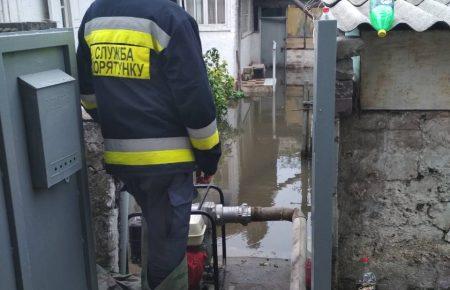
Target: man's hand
(202,178)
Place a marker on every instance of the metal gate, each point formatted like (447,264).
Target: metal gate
(46,241)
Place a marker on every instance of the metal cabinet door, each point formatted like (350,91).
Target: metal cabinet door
(7,272)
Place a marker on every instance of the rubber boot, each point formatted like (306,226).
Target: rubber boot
(177,280)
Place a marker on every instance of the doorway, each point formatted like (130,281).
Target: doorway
(273,29)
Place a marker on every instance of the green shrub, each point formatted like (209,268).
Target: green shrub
(221,83)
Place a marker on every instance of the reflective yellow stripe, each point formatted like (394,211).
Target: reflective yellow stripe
(204,132)
(149,157)
(88,105)
(206,143)
(128,23)
(124,36)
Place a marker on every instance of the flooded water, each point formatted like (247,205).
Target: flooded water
(262,170)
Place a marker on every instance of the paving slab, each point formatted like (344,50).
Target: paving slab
(251,273)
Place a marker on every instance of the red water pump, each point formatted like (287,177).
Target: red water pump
(196,260)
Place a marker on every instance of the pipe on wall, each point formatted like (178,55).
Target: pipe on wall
(238,44)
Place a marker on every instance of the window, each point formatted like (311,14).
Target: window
(195,8)
(206,11)
(245,16)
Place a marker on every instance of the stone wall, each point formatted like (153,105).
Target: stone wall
(406,71)
(103,195)
(26,26)
(394,199)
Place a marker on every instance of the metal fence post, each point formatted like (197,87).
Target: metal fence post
(324,156)
(123,232)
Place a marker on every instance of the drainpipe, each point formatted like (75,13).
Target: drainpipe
(238,44)
(274,89)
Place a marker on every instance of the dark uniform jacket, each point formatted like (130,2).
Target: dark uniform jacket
(142,76)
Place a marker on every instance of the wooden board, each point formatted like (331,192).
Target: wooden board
(294,20)
(406,71)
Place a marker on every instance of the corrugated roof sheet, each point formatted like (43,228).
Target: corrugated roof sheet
(420,15)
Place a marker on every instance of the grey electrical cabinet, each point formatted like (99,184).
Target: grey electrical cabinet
(46,241)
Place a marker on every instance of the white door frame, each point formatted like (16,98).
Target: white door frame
(61,15)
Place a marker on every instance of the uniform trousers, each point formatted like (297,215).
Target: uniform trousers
(166,202)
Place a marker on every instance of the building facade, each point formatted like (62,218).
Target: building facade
(227,25)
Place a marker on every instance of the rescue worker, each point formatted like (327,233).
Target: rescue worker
(142,76)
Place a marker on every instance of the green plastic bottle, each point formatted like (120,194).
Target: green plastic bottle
(382,16)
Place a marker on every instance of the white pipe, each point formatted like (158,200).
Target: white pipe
(298,255)
(274,86)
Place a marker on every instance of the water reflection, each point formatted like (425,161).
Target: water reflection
(262,171)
